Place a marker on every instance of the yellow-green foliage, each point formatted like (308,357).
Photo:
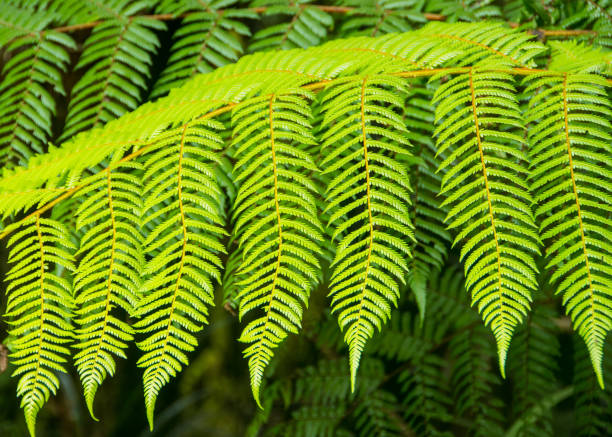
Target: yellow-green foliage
(322,142)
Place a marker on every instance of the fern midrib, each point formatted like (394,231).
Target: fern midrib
(488,192)
(367,174)
(278,219)
(183,251)
(575,188)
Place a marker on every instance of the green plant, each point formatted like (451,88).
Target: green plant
(351,165)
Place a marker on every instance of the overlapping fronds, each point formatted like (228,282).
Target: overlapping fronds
(30,78)
(276,220)
(480,127)
(184,225)
(39,309)
(251,158)
(108,273)
(368,200)
(570,137)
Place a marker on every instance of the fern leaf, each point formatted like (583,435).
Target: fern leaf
(374,17)
(182,210)
(430,249)
(108,274)
(209,37)
(533,357)
(118,57)
(275,220)
(367,199)
(474,384)
(307,27)
(570,141)
(39,310)
(37,61)
(490,204)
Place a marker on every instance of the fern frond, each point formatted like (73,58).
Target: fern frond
(533,358)
(37,61)
(275,219)
(465,10)
(182,211)
(574,57)
(307,27)
(118,58)
(108,275)
(570,139)
(479,127)
(367,199)
(430,249)
(592,406)
(426,400)
(472,382)
(39,310)
(209,37)
(379,17)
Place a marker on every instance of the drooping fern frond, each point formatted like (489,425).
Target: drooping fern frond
(185,224)
(379,17)
(431,236)
(276,220)
(570,141)
(472,382)
(367,199)
(307,27)
(38,58)
(118,58)
(593,407)
(108,274)
(533,364)
(39,309)
(209,37)
(479,127)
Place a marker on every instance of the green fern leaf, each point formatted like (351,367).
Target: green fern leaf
(307,27)
(185,223)
(275,219)
(367,199)
(37,61)
(570,141)
(39,310)
(490,204)
(118,57)
(209,37)
(108,274)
